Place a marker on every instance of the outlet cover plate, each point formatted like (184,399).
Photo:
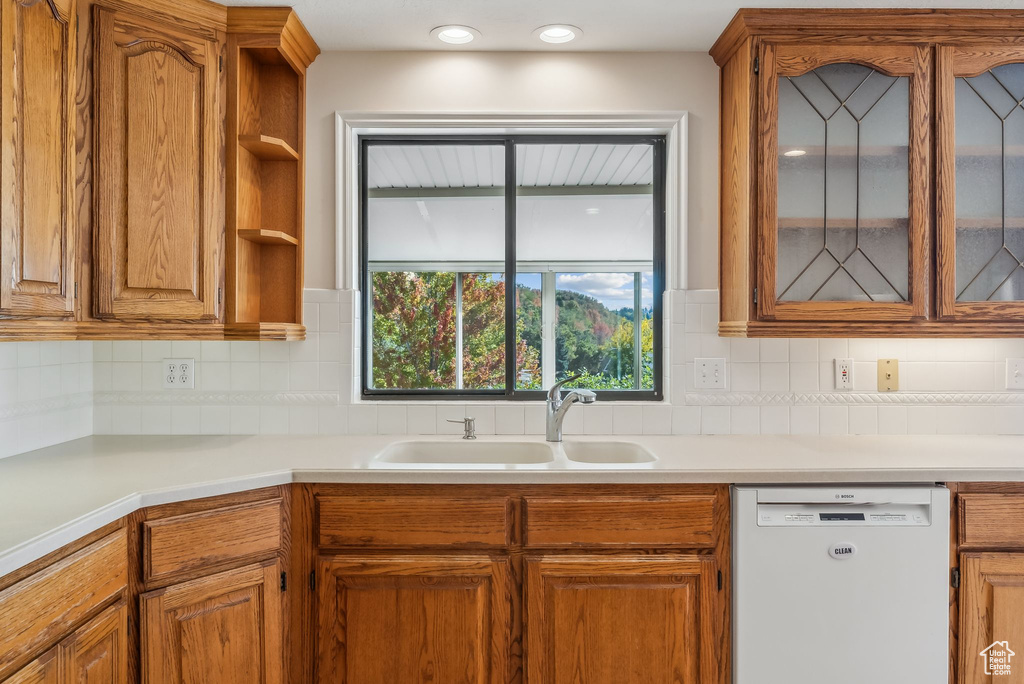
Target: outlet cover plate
(844,375)
(179,373)
(1015,374)
(888,375)
(709,373)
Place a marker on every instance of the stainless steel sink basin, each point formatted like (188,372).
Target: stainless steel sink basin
(621,453)
(466,452)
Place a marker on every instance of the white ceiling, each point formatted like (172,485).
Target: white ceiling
(482,166)
(613,25)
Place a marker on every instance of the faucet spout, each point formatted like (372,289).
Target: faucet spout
(557,407)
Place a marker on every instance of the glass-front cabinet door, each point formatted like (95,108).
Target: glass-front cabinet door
(980,182)
(844,199)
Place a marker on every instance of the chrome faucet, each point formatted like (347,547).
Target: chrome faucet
(557,406)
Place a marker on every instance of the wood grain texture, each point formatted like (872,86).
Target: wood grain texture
(991,606)
(620,619)
(37,133)
(779,61)
(414,619)
(158,178)
(223,628)
(265,147)
(46,605)
(97,653)
(991,521)
(872,26)
(952,63)
(652,522)
(963,328)
(42,670)
(184,543)
(409,521)
(737,159)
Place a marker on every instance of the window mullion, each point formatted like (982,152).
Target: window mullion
(547,327)
(459,361)
(638,336)
(510,267)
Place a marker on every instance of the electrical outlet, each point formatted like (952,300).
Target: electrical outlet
(1015,374)
(844,375)
(179,373)
(709,373)
(888,375)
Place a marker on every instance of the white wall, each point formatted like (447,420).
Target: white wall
(511,83)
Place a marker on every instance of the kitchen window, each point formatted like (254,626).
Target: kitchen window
(535,258)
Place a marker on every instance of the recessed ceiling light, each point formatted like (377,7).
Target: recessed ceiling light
(558,33)
(454,34)
(593,211)
(794,153)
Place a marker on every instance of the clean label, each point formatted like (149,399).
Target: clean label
(842,551)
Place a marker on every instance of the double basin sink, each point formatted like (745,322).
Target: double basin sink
(470,453)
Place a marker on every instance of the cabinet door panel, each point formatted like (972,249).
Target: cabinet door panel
(158,174)
(845,195)
(223,628)
(37,55)
(98,652)
(980,181)
(414,620)
(42,670)
(622,619)
(991,610)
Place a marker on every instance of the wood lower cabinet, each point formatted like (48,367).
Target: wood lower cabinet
(991,615)
(159,191)
(621,619)
(414,619)
(98,652)
(37,236)
(989,607)
(223,628)
(43,670)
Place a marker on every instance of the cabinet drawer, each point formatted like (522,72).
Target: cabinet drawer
(413,521)
(46,605)
(657,521)
(182,543)
(992,521)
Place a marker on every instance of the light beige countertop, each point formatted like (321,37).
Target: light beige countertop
(53,496)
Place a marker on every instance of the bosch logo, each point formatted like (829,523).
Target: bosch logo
(845,496)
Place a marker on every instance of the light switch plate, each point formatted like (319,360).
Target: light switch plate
(179,373)
(844,375)
(888,375)
(1015,374)
(709,373)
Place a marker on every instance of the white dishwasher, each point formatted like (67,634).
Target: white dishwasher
(840,585)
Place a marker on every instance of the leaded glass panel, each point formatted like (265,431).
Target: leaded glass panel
(843,197)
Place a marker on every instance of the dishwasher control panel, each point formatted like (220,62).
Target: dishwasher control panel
(842,515)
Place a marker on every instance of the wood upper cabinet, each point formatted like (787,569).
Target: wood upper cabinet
(843,198)
(991,614)
(223,628)
(414,619)
(622,619)
(37,237)
(158,170)
(980,176)
(830,194)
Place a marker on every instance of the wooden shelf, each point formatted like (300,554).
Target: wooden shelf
(267,237)
(268,148)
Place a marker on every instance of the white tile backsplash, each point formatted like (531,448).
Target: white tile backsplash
(775,386)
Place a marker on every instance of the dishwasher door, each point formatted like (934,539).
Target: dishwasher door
(840,585)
